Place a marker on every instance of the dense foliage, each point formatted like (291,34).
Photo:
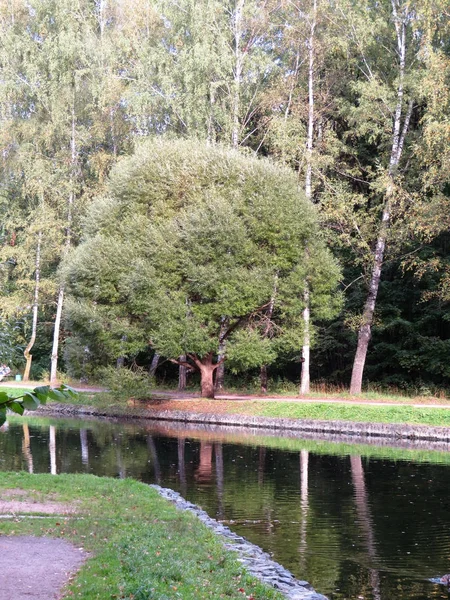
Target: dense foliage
(353,96)
(218,244)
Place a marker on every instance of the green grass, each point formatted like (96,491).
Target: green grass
(142,547)
(338,412)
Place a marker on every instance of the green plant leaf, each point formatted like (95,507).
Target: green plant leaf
(16,407)
(4,398)
(30,401)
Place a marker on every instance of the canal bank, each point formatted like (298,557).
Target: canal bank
(346,518)
(169,411)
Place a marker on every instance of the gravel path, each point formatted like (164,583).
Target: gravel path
(36,568)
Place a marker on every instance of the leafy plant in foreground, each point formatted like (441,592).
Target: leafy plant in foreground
(33,399)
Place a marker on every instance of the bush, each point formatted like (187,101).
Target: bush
(125,384)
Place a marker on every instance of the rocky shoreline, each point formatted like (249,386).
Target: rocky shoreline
(352,430)
(257,562)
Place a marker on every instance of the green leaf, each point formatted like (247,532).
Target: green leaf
(30,401)
(4,398)
(69,391)
(56,394)
(2,416)
(42,393)
(17,408)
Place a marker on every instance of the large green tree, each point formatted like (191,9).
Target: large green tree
(209,233)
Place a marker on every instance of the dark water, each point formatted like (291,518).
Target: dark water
(357,522)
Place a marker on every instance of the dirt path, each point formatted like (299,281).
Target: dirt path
(36,568)
(174,395)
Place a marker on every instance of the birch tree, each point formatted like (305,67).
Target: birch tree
(396,103)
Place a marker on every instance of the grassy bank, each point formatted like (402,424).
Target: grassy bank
(142,546)
(323,411)
(361,411)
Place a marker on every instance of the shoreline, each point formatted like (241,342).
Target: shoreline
(351,430)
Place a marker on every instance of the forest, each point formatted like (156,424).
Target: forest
(255,190)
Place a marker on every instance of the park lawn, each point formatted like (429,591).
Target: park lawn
(361,411)
(320,411)
(142,547)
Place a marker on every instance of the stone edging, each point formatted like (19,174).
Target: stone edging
(257,562)
(348,428)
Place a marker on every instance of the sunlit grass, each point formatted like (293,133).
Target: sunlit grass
(142,547)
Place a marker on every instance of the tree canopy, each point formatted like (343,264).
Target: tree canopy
(197,242)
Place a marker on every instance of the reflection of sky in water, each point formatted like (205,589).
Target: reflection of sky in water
(357,522)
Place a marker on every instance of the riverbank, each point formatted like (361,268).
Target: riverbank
(134,543)
(284,415)
(410,420)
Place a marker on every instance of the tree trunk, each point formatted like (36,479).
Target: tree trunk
(207,380)
(56,330)
(206,368)
(68,242)
(27,351)
(154,365)
(267,328)
(305,372)
(399,133)
(305,376)
(220,373)
(182,374)
(263,379)
(238,65)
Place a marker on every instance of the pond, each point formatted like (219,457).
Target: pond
(356,521)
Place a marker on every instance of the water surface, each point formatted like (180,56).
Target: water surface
(358,522)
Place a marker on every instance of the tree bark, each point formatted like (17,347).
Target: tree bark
(238,66)
(306,349)
(27,351)
(68,242)
(399,133)
(182,374)
(154,365)
(207,380)
(263,379)
(263,372)
(220,374)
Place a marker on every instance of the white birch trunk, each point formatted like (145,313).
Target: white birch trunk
(306,349)
(60,301)
(238,66)
(27,351)
(399,133)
